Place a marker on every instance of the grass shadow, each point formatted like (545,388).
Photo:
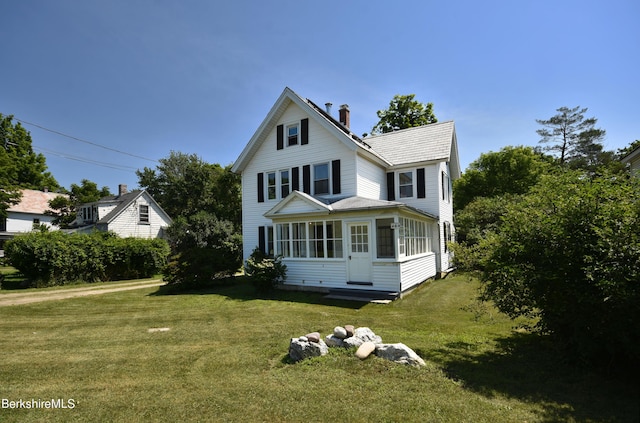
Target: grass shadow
(239,288)
(528,368)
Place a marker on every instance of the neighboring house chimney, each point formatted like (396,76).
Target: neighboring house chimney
(122,189)
(327,107)
(344,115)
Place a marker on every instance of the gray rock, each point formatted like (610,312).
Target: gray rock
(333,341)
(340,332)
(299,350)
(399,353)
(360,336)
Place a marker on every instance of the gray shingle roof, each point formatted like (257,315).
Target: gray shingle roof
(414,145)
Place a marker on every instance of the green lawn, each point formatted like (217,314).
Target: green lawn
(225,359)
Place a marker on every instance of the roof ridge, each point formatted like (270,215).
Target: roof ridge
(411,128)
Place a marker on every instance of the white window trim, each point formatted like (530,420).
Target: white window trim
(286,134)
(413,183)
(329,179)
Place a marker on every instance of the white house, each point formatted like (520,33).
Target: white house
(633,159)
(28,214)
(128,214)
(345,212)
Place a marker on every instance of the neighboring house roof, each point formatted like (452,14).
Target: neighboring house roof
(34,202)
(124,201)
(433,142)
(633,156)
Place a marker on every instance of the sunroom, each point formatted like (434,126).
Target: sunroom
(353,242)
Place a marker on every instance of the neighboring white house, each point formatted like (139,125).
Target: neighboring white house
(128,214)
(633,159)
(27,214)
(345,212)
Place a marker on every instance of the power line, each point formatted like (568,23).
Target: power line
(84,141)
(85,160)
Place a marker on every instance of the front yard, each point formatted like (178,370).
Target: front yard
(222,356)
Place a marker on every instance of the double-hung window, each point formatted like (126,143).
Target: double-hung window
(321,179)
(405,184)
(144,213)
(271,185)
(284,183)
(292,135)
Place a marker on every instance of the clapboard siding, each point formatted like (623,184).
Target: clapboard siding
(127,223)
(316,273)
(370,179)
(322,148)
(416,271)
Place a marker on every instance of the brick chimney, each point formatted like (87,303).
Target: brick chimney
(122,189)
(344,115)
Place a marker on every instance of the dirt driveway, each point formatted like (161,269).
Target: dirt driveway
(19,298)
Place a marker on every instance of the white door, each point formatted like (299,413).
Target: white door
(359,253)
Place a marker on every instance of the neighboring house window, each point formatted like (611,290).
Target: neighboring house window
(36,223)
(446,187)
(3,224)
(292,135)
(144,213)
(384,238)
(405,184)
(271,185)
(284,183)
(321,179)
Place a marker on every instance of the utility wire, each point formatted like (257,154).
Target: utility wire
(84,141)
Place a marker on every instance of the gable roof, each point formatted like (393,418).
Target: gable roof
(421,144)
(319,205)
(35,202)
(428,143)
(123,202)
(339,131)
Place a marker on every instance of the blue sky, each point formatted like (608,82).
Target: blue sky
(145,77)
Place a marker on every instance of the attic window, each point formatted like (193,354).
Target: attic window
(292,135)
(144,213)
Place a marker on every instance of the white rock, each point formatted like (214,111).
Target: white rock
(299,350)
(365,350)
(340,332)
(360,336)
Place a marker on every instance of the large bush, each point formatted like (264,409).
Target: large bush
(568,254)
(264,272)
(205,250)
(55,258)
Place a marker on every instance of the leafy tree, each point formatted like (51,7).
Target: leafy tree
(568,254)
(184,184)
(404,112)
(20,166)
(64,209)
(205,248)
(512,170)
(572,137)
(628,149)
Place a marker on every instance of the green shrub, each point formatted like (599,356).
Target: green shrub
(55,258)
(205,251)
(265,272)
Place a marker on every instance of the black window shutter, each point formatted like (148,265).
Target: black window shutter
(304,129)
(260,187)
(280,137)
(295,179)
(422,191)
(335,173)
(306,179)
(391,190)
(262,243)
